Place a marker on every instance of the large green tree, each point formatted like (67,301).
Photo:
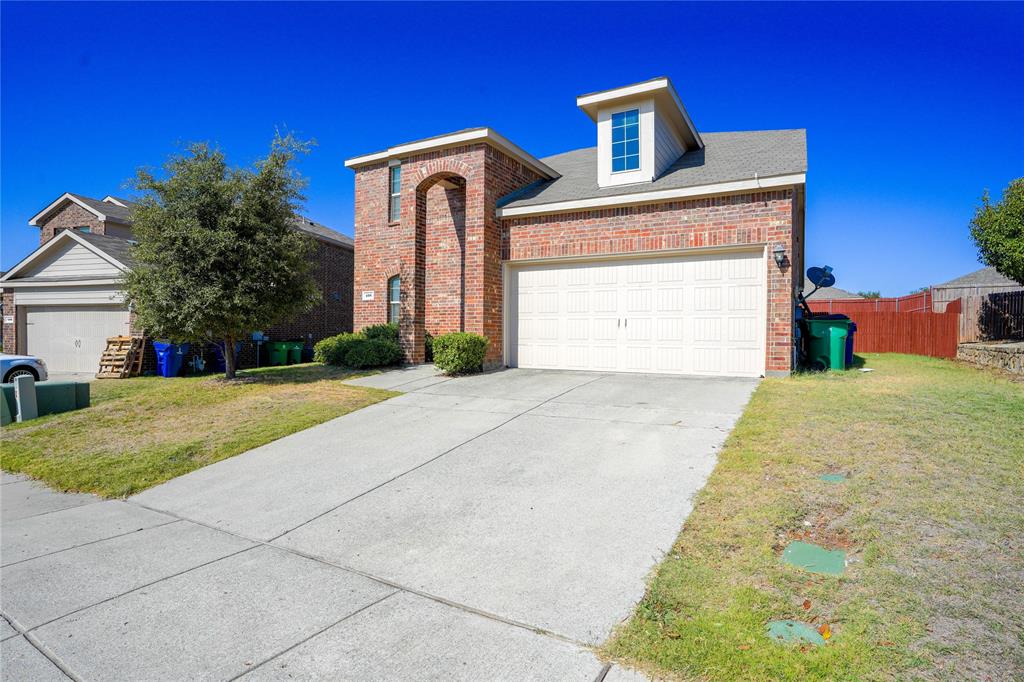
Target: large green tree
(998,230)
(218,255)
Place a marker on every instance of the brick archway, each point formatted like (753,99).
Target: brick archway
(434,273)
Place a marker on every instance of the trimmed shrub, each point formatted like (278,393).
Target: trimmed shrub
(364,353)
(459,352)
(387,332)
(332,350)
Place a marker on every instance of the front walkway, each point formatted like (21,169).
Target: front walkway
(487,527)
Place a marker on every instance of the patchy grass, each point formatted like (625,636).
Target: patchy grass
(931,518)
(143,431)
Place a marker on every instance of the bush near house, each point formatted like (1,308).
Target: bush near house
(386,332)
(373,353)
(459,352)
(375,346)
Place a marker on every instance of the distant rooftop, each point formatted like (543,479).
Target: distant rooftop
(988,276)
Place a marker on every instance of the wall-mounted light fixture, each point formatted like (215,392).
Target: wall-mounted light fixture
(779,252)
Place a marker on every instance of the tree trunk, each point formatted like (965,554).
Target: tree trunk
(229,358)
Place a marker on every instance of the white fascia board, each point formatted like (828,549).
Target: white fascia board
(61,237)
(657,196)
(454,140)
(113,200)
(31,284)
(67,196)
(621,93)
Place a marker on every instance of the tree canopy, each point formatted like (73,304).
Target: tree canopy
(998,231)
(218,255)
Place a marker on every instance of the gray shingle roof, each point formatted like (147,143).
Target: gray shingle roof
(323,232)
(726,157)
(119,248)
(118,214)
(983,277)
(303,224)
(829,293)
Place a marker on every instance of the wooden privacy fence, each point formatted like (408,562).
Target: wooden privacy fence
(918,331)
(992,317)
(914,303)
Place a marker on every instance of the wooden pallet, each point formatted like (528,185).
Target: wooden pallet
(122,358)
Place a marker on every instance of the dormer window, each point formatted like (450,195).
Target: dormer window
(626,141)
(642,129)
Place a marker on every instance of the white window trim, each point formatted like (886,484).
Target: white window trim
(391,191)
(645,173)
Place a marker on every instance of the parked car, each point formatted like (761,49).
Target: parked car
(12,366)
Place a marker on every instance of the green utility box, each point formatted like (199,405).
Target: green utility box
(277,352)
(51,397)
(826,343)
(295,352)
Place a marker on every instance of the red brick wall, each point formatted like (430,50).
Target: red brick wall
(10,329)
(426,235)
(72,215)
(445,240)
(764,217)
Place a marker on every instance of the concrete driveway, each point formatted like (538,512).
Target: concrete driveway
(487,527)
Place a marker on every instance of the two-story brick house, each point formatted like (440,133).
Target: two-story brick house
(63,300)
(661,249)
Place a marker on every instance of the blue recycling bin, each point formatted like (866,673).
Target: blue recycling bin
(218,355)
(850,331)
(170,357)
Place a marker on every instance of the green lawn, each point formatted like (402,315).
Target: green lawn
(143,431)
(931,517)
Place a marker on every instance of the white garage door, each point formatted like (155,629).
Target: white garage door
(684,315)
(72,338)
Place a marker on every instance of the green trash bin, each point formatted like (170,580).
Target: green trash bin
(826,343)
(277,352)
(295,352)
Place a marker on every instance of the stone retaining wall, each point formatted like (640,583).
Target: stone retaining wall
(1005,356)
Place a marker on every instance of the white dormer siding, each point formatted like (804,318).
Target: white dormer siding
(666,131)
(667,145)
(645,173)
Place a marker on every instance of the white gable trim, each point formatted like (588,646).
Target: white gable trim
(67,196)
(61,237)
(113,200)
(655,197)
(453,140)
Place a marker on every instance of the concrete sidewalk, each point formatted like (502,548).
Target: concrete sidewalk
(487,527)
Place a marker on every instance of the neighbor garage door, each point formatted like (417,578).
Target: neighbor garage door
(72,338)
(683,315)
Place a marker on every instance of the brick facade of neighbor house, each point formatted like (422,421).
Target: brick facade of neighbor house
(333,271)
(72,215)
(10,328)
(446,246)
(724,221)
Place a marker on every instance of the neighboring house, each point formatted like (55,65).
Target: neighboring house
(652,252)
(984,281)
(64,299)
(829,293)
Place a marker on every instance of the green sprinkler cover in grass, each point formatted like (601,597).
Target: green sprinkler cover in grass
(814,558)
(833,478)
(793,632)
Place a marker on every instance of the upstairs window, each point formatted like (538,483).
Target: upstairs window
(626,141)
(395,193)
(394,299)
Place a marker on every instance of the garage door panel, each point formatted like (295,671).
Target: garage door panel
(699,315)
(72,338)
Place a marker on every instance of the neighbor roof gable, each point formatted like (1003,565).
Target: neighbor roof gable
(103,210)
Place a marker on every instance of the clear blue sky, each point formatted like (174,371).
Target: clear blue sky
(910,110)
